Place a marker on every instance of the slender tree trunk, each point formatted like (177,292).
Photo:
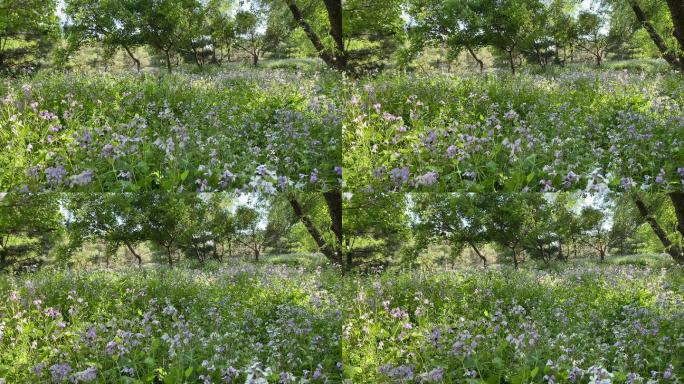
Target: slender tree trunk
(677,199)
(479,61)
(328,251)
(137,257)
(670,248)
(667,54)
(677,14)
(479,254)
(255,59)
(333,200)
(515,257)
(168,60)
(3,258)
(334,9)
(337,60)
(135,60)
(169,257)
(511,61)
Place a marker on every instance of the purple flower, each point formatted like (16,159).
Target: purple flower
(83,178)
(338,170)
(282,182)
(379,172)
(86,376)
(451,151)
(427,179)
(570,179)
(229,374)
(55,175)
(51,312)
(318,372)
(400,175)
(60,372)
(46,115)
(38,369)
(107,150)
(434,376)
(626,183)
(680,171)
(314,176)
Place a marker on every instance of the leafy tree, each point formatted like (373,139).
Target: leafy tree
(593,40)
(28,29)
(252,235)
(110,218)
(27,223)
(379,217)
(460,219)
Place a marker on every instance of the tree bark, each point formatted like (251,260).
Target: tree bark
(334,8)
(677,13)
(333,200)
(169,257)
(479,254)
(137,257)
(333,60)
(135,59)
(677,199)
(511,62)
(515,257)
(168,60)
(477,59)
(328,251)
(670,248)
(667,54)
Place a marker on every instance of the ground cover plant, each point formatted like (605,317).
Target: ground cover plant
(568,130)
(572,324)
(224,324)
(233,130)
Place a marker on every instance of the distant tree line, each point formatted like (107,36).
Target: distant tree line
(354,36)
(35,229)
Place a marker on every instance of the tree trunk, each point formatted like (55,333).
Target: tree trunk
(337,60)
(677,199)
(135,60)
(137,257)
(257,253)
(667,54)
(677,15)
(168,60)
(670,248)
(474,56)
(169,257)
(479,254)
(511,62)
(333,200)
(255,59)
(328,251)
(515,257)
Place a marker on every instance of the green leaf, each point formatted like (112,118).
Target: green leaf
(534,372)
(184,175)
(188,372)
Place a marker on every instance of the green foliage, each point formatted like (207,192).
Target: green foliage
(506,133)
(28,29)
(262,130)
(164,325)
(571,325)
